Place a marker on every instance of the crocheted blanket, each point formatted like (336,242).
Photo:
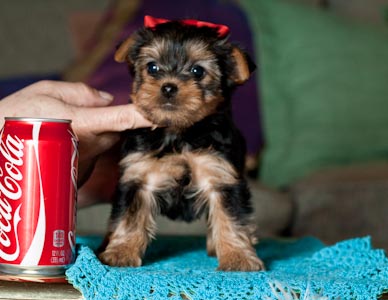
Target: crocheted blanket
(179,268)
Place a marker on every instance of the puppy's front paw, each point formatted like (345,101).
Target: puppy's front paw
(239,261)
(120,257)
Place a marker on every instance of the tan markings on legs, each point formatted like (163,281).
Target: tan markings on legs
(131,234)
(250,229)
(208,172)
(135,166)
(231,242)
(154,173)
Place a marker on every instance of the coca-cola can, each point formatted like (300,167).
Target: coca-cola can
(38,187)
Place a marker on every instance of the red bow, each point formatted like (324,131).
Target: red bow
(222,30)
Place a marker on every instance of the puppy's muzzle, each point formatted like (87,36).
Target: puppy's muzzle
(169,90)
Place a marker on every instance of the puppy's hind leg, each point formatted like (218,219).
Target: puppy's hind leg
(231,237)
(131,232)
(227,197)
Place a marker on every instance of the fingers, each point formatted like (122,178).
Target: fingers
(112,119)
(74,93)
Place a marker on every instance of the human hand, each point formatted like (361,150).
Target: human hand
(95,123)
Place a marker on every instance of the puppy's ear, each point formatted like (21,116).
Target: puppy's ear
(243,66)
(121,54)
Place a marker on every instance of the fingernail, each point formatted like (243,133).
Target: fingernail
(105,95)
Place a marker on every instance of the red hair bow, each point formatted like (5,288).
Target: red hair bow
(222,30)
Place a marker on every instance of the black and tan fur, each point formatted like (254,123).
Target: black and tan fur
(193,163)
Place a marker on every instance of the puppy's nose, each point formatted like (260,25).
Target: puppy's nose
(169,90)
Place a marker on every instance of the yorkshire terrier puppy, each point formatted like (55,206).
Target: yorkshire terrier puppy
(193,162)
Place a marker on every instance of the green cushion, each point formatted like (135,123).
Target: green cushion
(324,83)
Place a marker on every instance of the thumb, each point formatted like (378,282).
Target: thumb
(112,118)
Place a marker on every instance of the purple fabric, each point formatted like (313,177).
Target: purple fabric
(114,77)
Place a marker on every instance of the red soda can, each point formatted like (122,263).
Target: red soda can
(38,187)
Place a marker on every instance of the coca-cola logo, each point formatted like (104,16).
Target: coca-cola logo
(11,160)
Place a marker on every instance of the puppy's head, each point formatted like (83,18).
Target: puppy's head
(182,73)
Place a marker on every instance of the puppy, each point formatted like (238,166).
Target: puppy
(193,163)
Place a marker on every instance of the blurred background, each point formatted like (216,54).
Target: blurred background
(314,114)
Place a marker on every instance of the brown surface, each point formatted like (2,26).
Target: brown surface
(32,290)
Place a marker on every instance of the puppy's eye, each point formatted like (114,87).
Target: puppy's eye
(197,71)
(152,68)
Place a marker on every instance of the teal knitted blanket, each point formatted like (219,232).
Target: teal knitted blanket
(177,268)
